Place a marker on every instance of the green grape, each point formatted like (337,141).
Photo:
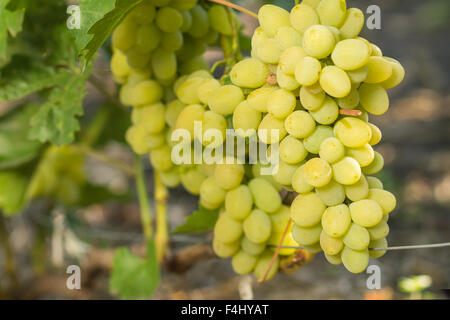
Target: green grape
(347,171)
(252,248)
(257,36)
(374,98)
(332,194)
(379,70)
(211,193)
(335,82)
(271,18)
(188,116)
(353,23)
(352,132)
(306,236)
(151,117)
(281,103)
(183,4)
(357,237)
(366,213)
(307,71)
(187,21)
(332,12)
(303,16)
(170,178)
(317,172)
(268,51)
(380,231)
(374,183)
(124,36)
(275,240)
(239,202)
(336,220)
(376,165)
(169,19)
(336,260)
(284,174)
(286,81)
(173,110)
(246,119)
(225,99)
(227,230)
(292,150)
(300,124)
(213,121)
(200,22)
(192,180)
(330,245)
(355,261)
(257,99)
(225,250)
(289,59)
(280,218)
(398,74)
(161,158)
(136,59)
(288,37)
(135,137)
(331,150)
(364,155)
(376,134)
(196,63)
(375,50)
(350,101)
(144,13)
(145,93)
(350,54)
(172,41)
(307,209)
(312,143)
(382,243)
(256,171)
(192,47)
(336,33)
(205,89)
(220,20)
(311,101)
(249,73)
(148,38)
(359,75)
(187,91)
(161,3)
(119,65)
(299,182)
(229,175)
(243,263)
(264,261)
(265,195)
(164,64)
(358,190)
(327,113)
(257,226)
(318,41)
(313,249)
(271,130)
(385,199)
(155,140)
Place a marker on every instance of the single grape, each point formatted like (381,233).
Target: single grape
(290,58)
(200,22)
(327,113)
(374,98)
(285,172)
(336,220)
(161,158)
(398,74)
(352,132)
(355,261)
(225,250)
(379,70)
(302,17)
(332,12)
(227,230)
(307,71)
(271,18)
(330,245)
(331,150)
(346,171)
(317,172)
(350,54)
(379,244)
(225,99)
(335,82)
(264,261)
(318,41)
(169,19)
(307,209)
(376,165)
(300,124)
(265,196)
(252,248)
(292,150)
(249,73)
(288,37)
(312,143)
(246,119)
(357,237)
(358,190)
(385,199)
(211,193)
(353,23)
(220,20)
(366,213)
(271,130)
(258,98)
(332,194)
(188,116)
(239,202)
(379,231)
(257,226)
(229,175)
(307,236)
(364,155)
(281,103)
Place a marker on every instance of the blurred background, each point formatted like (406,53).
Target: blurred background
(37,245)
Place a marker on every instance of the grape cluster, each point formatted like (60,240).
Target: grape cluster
(308,68)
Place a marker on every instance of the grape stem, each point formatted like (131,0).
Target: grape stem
(347,112)
(277,251)
(162,233)
(235,6)
(146,212)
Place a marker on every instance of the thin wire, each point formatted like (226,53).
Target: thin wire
(419,246)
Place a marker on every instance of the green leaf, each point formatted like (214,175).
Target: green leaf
(132,276)
(91,11)
(10,21)
(56,119)
(103,28)
(15,146)
(13,186)
(202,220)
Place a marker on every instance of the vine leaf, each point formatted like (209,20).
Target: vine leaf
(56,119)
(12,191)
(103,28)
(10,22)
(135,277)
(202,220)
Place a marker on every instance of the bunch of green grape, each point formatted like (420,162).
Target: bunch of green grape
(308,70)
